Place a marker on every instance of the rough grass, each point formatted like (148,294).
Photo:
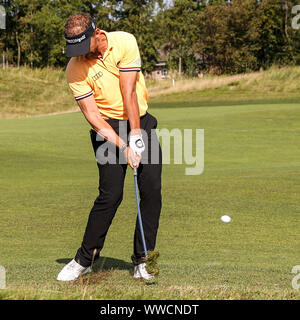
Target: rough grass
(273,80)
(276,85)
(25,92)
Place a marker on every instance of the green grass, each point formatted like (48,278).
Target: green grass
(252,160)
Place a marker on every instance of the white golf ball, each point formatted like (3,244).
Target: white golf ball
(225,219)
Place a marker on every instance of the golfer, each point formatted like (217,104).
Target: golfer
(104,74)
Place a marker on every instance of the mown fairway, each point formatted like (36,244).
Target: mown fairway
(252,173)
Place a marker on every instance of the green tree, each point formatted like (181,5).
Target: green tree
(179,33)
(139,18)
(10,40)
(271,27)
(34,34)
(215,36)
(50,21)
(227,41)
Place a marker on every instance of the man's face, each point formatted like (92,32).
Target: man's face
(93,53)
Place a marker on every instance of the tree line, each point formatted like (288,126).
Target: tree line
(192,36)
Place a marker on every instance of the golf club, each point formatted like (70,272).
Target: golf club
(139,211)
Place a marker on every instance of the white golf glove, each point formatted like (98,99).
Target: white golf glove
(136,143)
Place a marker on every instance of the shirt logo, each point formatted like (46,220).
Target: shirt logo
(97,76)
(138,62)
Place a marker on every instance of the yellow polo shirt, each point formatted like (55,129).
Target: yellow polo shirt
(101,77)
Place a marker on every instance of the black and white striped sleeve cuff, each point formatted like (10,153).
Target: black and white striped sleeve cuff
(138,69)
(84,96)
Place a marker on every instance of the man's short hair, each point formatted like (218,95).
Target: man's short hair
(77,24)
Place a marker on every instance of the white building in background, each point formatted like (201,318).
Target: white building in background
(160,71)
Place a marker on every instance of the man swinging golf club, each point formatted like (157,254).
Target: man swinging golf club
(104,76)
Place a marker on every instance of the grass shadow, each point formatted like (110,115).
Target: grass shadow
(104,264)
(101,270)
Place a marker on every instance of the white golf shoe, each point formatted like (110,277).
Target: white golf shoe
(140,272)
(72,271)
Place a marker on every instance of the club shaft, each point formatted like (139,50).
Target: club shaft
(139,212)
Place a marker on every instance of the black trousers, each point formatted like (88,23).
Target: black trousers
(111,183)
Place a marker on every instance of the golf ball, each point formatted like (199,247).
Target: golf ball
(225,219)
